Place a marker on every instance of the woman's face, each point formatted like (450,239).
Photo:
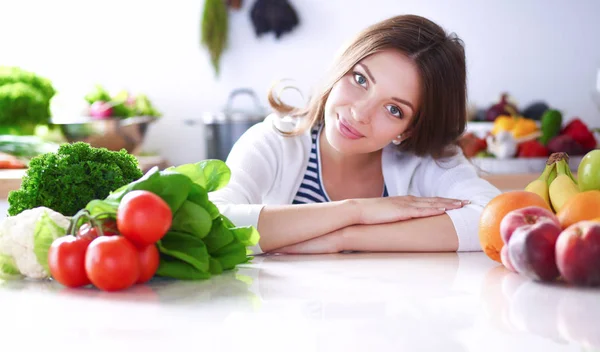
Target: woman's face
(372,104)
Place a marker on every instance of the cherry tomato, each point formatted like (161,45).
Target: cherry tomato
(112,263)
(143,217)
(66,259)
(109,228)
(149,260)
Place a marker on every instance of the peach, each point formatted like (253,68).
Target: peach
(531,250)
(505,259)
(524,216)
(578,253)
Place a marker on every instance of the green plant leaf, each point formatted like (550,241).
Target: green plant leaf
(174,268)
(8,268)
(187,248)
(211,174)
(231,255)
(218,237)
(46,231)
(248,235)
(192,219)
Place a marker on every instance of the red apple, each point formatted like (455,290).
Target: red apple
(578,253)
(531,250)
(505,259)
(524,216)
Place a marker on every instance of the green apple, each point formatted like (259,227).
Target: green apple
(588,172)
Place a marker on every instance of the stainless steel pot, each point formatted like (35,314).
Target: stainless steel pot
(223,129)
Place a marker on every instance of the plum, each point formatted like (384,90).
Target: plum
(531,250)
(578,253)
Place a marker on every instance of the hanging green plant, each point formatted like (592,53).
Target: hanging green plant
(214,30)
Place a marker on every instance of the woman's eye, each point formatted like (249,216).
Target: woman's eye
(360,79)
(394,110)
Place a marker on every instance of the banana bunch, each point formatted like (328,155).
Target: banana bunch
(556,185)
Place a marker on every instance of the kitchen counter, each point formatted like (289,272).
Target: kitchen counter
(343,302)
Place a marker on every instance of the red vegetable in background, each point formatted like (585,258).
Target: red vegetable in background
(101,110)
(580,133)
(532,149)
(564,143)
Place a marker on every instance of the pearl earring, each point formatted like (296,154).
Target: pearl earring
(398,140)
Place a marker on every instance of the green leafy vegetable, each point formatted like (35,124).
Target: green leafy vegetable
(8,268)
(201,241)
(214,30)
(185,247)
(178,269)
(172,187)
(193,219)
(218,237)
(24,99)
(46,231)
(66,181)
(211,174)
(198,195)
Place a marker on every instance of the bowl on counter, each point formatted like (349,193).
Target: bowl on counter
(111,133)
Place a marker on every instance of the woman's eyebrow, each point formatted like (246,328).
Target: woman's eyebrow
(405,102)
(364,67)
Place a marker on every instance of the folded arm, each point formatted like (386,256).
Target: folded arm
(430,234)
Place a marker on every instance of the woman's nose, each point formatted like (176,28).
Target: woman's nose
(361,112)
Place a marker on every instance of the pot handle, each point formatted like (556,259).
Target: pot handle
(242,91)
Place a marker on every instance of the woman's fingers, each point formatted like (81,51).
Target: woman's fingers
(418,212)
(435,202)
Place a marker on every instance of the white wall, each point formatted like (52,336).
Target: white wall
(534,49)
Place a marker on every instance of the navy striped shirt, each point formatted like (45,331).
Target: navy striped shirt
(311,189)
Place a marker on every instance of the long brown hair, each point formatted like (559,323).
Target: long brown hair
(440,59)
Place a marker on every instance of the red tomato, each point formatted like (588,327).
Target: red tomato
(109,228)
(112,263)
(66,259)
(143,217)
(149,260)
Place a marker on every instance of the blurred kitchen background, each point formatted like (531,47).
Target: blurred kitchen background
(543,54)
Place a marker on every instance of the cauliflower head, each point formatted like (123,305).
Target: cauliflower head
(25,239)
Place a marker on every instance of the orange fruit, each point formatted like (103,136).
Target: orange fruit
(582,206)
(489,221)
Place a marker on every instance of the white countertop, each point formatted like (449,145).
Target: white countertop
(346,302)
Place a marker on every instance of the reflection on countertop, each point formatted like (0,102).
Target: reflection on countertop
(342,302)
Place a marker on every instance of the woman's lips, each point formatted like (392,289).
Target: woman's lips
(348,131)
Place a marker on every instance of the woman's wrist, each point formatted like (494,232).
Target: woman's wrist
(352,211)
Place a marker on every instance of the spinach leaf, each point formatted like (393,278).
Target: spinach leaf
(218,237)
(184,247)
(172,187)
(215,267)
(231,255)
(211,174)
(174,268)
(199,196)
(192,219)
(97,206)
(248,235)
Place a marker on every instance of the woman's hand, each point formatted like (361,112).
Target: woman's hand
(398,208)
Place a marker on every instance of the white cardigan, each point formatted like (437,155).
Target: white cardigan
(267,168)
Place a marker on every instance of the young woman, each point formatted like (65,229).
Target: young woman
(372,162)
